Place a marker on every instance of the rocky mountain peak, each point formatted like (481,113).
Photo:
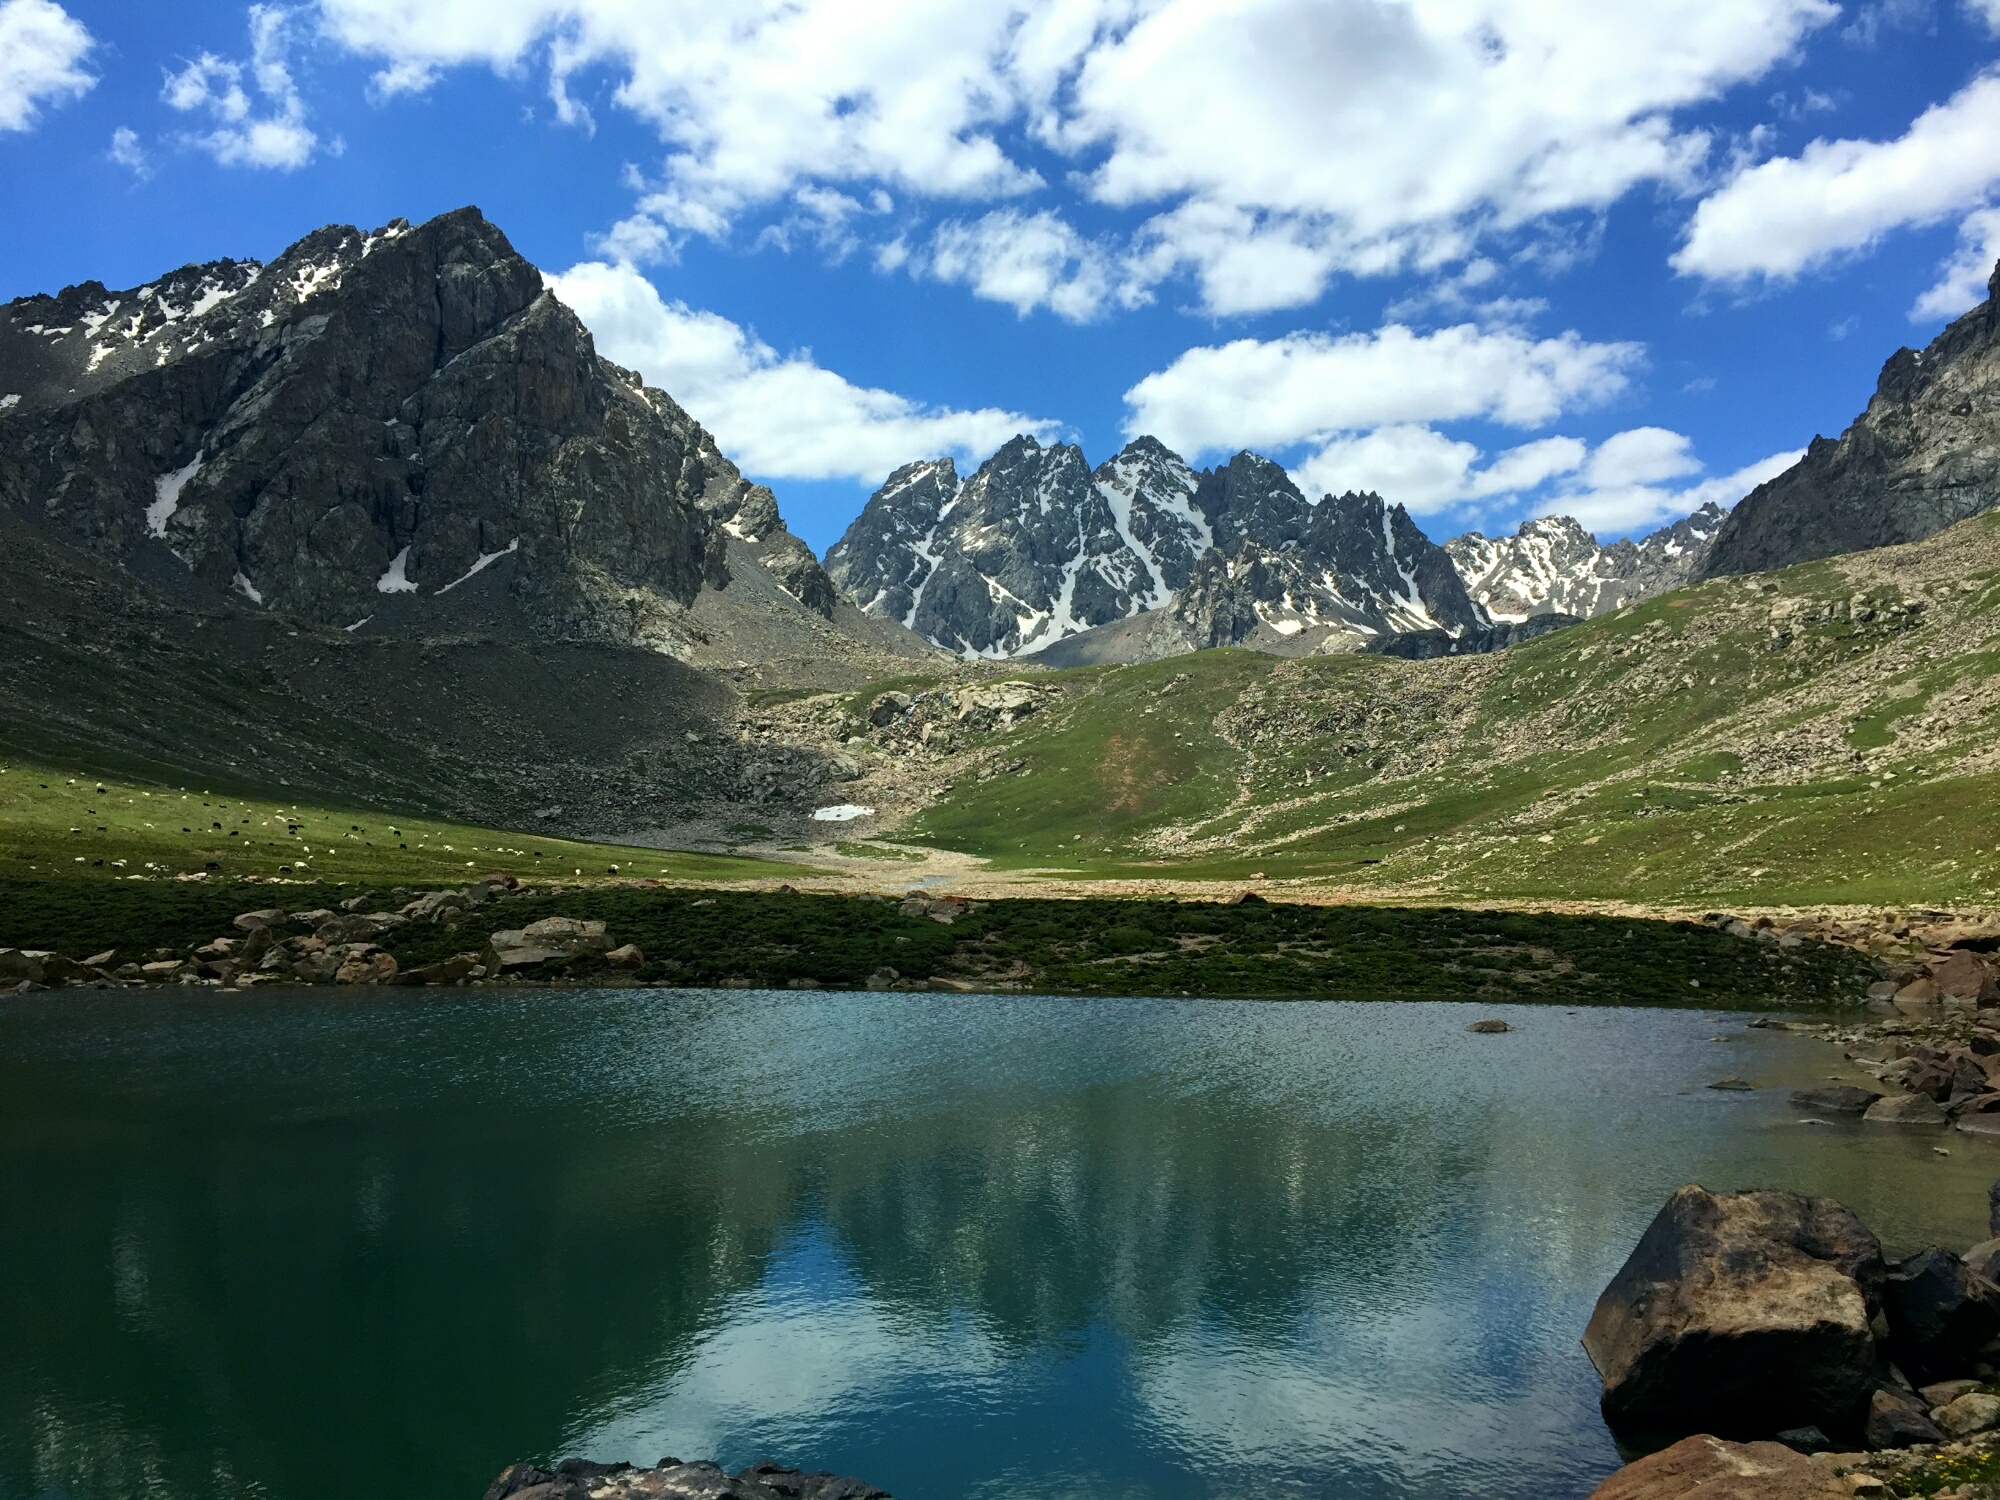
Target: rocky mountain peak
(1923,455)
(359,430)
(1552,566)
(1033,547)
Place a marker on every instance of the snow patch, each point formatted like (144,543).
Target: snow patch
(350,629)
(7,402)
(1287,627)
(486,560)
(397,579)
(167,496)
(247,589)
(841,812)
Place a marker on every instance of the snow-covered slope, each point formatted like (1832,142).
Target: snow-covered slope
(1036,547)
(1551,565)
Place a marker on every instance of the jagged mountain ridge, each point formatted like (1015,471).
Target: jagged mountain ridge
(1146,557)
(369,432)
(1037,547)
(1551,565)
(1923,455)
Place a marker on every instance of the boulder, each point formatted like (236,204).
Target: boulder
(538,942)
(256,921)
(1981,1122)
(1707,1468)
(1837,1099)
(1906,1109)
(1741,1314)
(1896,1419)
(23,964)
(1940,1314)
(1944,1392)
(1488,1028)
(887,708)
(578,1479)
(1964,976)
(444,971)
(363,964)
(1983,1259)
(1970,1413)
(627,957)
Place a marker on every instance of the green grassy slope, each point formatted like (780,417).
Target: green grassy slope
(1829,734)
(56,826)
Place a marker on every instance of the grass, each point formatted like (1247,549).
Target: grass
(1088,947)
(58,826)
(1630,758)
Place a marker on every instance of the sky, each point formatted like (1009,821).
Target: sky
(1493,259)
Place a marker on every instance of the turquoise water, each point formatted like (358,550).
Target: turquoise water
(298,1246)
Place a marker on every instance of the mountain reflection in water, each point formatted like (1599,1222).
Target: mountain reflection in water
(292,1245)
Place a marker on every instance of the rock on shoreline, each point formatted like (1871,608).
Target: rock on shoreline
(670,1479)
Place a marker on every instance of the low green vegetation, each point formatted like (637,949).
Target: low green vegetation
(1084,947)
(1828,735)
(80,829)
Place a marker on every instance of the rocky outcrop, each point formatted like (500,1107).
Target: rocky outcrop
(1707,1468)
(670,1479)
(1741,1314)
(1036,548)
(1551,565)
(1942,1315)
(1925,454)
(369,431)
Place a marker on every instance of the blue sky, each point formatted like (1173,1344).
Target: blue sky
(1493,258)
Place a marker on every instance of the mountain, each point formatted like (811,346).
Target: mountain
(396,430)
(1033,547)
(1152,556)
(1925,454)
(1551,565)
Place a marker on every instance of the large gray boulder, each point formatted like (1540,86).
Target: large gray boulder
(1941,1314)
(1708,1468)
(1741,1314)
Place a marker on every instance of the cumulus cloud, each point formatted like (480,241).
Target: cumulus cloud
(128,153)
(780,416)
(1278,392)
(42,49)
(1631,481)
(1025,261)
(240,136)
(1790,214)
(1640,479)
(1961,282)
(1263,146)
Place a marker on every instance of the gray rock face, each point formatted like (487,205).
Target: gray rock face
(1036,547)
(1033,547)
(363,426)
(1551,565)
(1352,569)
(1924,455)
(1741,1314)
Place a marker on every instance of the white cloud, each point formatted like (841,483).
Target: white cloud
(1633,480)
(128,153)
(1625,486)
(1269,144)
(1988,10)
(1793,213)
(1026,261)
(1962,280)
(1426,471)
(778,416)
(240,137)
(1307,386)
(42,48)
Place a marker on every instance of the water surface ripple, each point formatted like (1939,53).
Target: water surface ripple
(295,1246)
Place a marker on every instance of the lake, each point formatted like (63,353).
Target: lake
(302,1245)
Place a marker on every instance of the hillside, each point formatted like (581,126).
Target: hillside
(1826,735)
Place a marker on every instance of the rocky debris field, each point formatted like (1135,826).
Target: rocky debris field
(496,931)
(1764,1345)
(670,1479)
